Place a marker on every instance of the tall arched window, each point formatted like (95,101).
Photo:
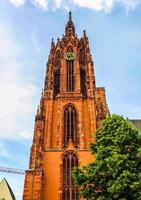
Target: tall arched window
(56,82)
(57,73)
(81,56)
(70,72)
(70,125)
(70,191)
(83,81)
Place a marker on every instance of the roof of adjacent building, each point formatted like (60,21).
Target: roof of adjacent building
(5,191)
(136,123)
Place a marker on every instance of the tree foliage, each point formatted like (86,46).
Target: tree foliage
(116,171)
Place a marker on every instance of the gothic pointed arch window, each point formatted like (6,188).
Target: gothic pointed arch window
(70,71)
(70,190)
(56,82)
(57,73)
(70,126)
(81,56)
(83,81)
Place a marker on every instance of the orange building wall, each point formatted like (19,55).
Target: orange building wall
(52,172)
(86,125)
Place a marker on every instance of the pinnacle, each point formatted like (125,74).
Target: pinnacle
(70,17)
(84,33)
(70,25)
(52,43)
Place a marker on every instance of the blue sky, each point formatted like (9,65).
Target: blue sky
(26,29)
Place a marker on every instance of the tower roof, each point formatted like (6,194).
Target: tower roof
(70,17)
(70,28)
(5,191)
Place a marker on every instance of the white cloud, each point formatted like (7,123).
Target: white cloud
(98,5)
(26,135)
(15,105)
(58,3)
(17,95)
(17,100)
(41,4)
(17,3)
(130,4)
(106,5)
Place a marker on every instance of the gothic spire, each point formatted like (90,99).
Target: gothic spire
(52,43)
(70,29)
(70,17)
(84,34)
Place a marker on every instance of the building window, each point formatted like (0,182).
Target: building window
(70,190)
(56,82)
(70,126)
(81,56)
(83,81)
(57,73)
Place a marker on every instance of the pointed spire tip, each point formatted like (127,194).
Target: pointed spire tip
(70,28)
(52,42)
(84,33)
(70,17)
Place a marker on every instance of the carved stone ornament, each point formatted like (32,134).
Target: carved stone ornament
(69,56)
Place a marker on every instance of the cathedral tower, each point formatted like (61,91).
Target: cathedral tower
(70,110)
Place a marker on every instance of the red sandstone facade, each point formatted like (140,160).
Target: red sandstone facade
(69,113)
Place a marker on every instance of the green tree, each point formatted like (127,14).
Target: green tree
(116,170)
